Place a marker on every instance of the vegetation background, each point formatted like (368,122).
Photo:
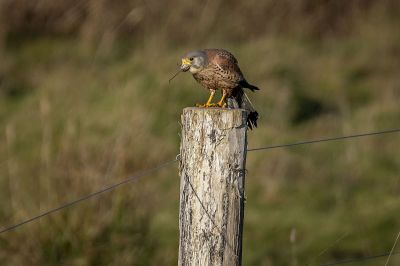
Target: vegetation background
(85,103)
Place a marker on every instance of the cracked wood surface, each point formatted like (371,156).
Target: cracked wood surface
(213,157)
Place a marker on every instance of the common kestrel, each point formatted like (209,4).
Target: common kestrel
(218,69)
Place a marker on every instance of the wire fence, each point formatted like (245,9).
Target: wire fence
(396,130)
(168,163)
(89,196)
(352,260)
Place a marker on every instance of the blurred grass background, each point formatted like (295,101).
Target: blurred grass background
(85,102)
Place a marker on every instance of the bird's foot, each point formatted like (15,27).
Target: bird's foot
(221,104)
(206,105)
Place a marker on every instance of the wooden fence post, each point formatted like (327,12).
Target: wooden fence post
(212,170)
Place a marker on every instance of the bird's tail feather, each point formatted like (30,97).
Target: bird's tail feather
(247,85)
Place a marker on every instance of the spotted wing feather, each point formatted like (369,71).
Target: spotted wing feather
(225,67)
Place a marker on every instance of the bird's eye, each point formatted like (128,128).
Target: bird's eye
(191,58)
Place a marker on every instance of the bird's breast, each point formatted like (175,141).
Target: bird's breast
(214,78)
(206,80)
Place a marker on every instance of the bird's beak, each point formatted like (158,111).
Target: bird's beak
(185,64)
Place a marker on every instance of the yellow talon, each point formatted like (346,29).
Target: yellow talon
(208,104)
(221,102)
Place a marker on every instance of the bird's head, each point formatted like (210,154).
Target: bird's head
(194,62)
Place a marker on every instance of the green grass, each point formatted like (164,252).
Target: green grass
(73,121)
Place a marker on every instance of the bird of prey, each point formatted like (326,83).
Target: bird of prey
(218,69)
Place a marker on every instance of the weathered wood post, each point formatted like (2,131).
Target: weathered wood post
(212,170)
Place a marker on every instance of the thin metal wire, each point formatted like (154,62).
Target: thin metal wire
(74,202)
(391,251)
(359,259)
(327,248)
(325,139)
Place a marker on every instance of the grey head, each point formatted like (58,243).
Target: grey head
(194,61)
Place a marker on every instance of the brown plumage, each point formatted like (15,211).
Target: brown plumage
(218,69)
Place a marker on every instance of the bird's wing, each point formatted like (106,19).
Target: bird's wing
(227,63)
